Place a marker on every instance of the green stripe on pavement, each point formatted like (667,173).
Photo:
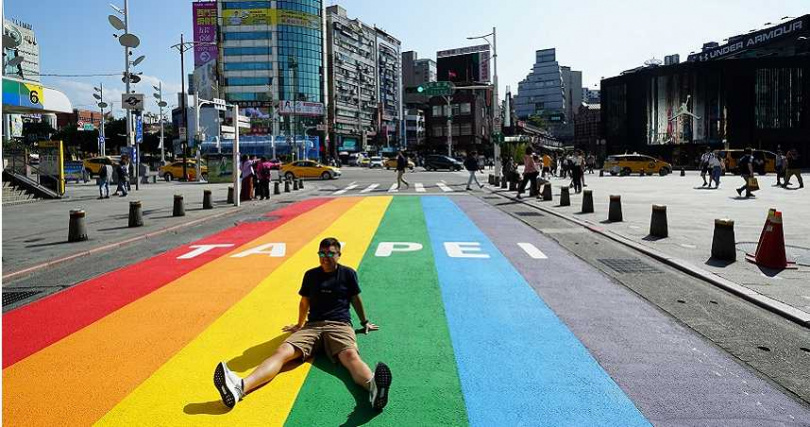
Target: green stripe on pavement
(401,294)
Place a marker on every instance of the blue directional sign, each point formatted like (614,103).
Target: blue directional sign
(138,129)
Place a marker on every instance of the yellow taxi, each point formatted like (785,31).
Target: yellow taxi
(392,163)
(309,169)
(93,165)
(364,162)
(764,161)
(174,170)
(625,164)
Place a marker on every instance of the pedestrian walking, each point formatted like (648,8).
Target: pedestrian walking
(264,173)
(704,166)
(104,175)
(716,167)
(123,176)
(530,174)
(577,171)
(546,165)
(246,169)
(793,168)
(472,166)
(402,164)
(746,166)
(781,166)
(591,162)
(324,324)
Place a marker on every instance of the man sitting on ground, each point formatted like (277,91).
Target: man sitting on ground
(323,322)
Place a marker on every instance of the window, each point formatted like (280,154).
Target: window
(247,35)
(466,129)
(248,81)
(264,50)
(438,131)
(778,98)
(241,66)
(465,108)
(246,5)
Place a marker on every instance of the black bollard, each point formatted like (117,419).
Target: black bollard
(179,206)
(276,190)
(723,243)
(295,185)
(601,172)
(547,192)
(230,194)
(658,221)
(135,214)
(77,231)
(491,179)
(587,201)
(615,209)
(683,172)
(207,204)
(504,183)
(642,173)
(565,196)
(286,186)
(301,184)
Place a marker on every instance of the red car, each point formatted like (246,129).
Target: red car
(275,164)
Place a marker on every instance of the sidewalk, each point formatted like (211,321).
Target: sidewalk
(691,211)
(36,233)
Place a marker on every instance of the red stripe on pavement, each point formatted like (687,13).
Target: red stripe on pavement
(35,326)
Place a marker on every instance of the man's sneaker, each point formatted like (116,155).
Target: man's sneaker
(228,384)
(739,192)
(379,386)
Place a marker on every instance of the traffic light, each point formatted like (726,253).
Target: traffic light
(420,89)
(415,89)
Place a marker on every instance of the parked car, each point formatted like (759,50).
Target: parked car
(764,161)
(174,170)
(437,161)
(93,165)
(309,169)
(375,162)
(392,163)
(625,164)
(364,162)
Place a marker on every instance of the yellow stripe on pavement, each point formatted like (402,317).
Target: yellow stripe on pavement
(181,392)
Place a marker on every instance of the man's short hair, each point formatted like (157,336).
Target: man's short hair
(748,150)
(329,241)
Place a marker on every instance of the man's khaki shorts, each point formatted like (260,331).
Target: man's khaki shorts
(333,336)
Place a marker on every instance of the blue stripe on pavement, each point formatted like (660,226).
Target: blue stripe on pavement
(518,363)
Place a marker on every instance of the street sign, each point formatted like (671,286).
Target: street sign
(138,130)
(321,127)
(132,101)
(182,132)
(101,140)
(442,88)
(219,104)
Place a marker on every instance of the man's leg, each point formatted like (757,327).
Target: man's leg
(361,373)
(376,383)
(470,179)
(271,366)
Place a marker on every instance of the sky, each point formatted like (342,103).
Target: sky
(600,38)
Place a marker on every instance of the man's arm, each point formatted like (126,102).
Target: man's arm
(357,303)
(303,310)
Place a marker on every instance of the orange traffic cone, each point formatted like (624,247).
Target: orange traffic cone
(771,247)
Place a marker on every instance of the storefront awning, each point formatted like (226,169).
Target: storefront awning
(26,97)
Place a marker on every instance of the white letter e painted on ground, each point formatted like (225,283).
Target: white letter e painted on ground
(464,250)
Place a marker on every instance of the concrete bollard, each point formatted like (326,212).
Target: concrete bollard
(295,185)
(301,184)
(601,172)
(491,179)
(723,243)
(276,189)
(135,214)
(547,192)
(565,196)
(230,194)
(179,206)
(207,203)
(587,201)
(77,231)
(683,172)
(286,186)
(658,222)
(504,184)
(615,210)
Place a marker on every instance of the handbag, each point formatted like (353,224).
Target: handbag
(753,184)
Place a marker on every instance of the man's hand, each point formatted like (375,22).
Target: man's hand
(292,328)
(369,327)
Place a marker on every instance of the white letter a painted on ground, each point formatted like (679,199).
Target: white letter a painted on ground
(201,249)
(385,249)
(276,250)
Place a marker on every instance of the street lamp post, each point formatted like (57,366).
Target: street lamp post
(102,141)
(161,103)
(496,127)
(449,126)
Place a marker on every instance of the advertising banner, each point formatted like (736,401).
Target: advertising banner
(26,95)
(298,19)
(270,17)
(205,31)
(300,108)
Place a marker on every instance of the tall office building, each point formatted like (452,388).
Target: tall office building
(364,74)
(541,92)
(26,46)
(572,85)
(271,61)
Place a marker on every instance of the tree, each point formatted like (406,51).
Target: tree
(538,121)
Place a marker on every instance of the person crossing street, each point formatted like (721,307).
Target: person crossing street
(402,164)
(472,166)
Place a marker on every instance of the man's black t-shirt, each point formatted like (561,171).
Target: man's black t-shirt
(329,293)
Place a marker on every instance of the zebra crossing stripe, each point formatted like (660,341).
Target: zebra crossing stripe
(444,188)
(393,188)
(370,188)
(351,187)
(419,187)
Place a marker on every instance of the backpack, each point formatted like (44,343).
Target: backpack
(102,173)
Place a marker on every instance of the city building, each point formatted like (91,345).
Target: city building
(572,85)
(270,62)
(471,125)
(364,70)
(590,96)
(414,128)
(82,119)
(587,132)
(416,71)
(26,46)
(542,92)
(752,91)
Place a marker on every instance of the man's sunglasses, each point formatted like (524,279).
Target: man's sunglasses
(323,254)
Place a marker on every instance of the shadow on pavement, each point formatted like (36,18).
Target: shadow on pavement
(650,238)
(42,245)
(362,413)
(255,355)
(214,407)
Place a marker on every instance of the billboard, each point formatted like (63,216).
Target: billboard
(205,31)
(268,16)
(463,65)
(300,108)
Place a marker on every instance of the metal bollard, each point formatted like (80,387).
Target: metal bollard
(615,210)
(565,196)
(504,183)
(179,206)
(276,189)
(723,243)
(491,179)
(230,194)
(295,185)
(301,184)
(601,172)
(658,221)
(135,214)
(587,201)
(547,192)
(286,186)
(77,231)
(207,203)
(683,172)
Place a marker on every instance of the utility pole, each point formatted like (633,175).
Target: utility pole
(496,127)
(449,126)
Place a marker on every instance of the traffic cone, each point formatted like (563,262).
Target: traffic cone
(771,247)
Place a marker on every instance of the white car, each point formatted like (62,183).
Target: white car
(376,162)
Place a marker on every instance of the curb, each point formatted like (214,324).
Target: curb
(770,304)
(117,244)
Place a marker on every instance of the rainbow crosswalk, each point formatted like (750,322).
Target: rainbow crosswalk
(468,340)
